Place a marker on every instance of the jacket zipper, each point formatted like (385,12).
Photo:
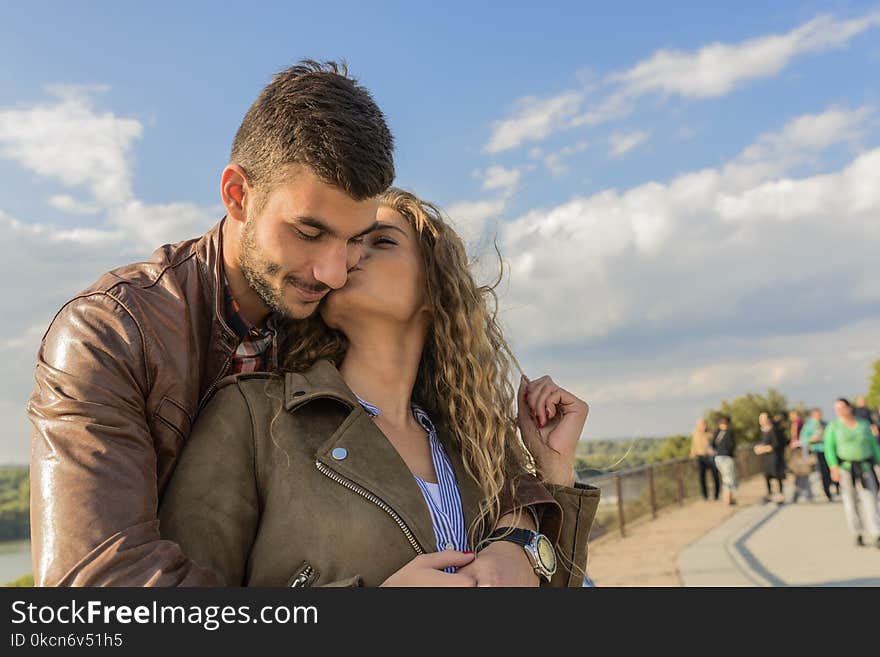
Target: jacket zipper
(207,394)
(303,577)
(323,469)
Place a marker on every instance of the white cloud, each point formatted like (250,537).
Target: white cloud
(711,71)
(148,226)
(614,106)
(500,178)
(852,192)
(50,236)
(25,340)
(623,142)
(68,141)
(809,133)
(697,254)
(718,68)
(533,119)
(71,205)
(470,218)
(709,379)
(555,161)
(656,392)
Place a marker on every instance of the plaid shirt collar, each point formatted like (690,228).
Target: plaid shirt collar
(256,348)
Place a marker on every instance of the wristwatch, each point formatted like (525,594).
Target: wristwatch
(539,549)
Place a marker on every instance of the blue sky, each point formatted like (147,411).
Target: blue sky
(687,195)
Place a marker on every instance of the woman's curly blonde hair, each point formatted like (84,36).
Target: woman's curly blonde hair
(463,380)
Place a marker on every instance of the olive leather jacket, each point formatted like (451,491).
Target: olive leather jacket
(287,481)
(121,374)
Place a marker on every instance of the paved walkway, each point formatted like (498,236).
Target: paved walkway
(648,556)
(751,544)
(790,545)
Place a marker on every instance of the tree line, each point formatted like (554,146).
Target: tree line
(15,493)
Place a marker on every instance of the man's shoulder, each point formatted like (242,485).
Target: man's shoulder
(168,260)
(163,277)
(161,286)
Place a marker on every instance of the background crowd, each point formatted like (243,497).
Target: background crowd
(845,451)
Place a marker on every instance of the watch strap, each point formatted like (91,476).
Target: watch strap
(522,537)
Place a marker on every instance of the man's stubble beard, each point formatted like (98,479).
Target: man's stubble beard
(257,269)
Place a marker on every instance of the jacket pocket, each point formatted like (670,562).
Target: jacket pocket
(175,416)
(305,575)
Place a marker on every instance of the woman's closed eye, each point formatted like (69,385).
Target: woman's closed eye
(383,241)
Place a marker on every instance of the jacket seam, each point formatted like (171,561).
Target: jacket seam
(255,460)
(577,524)
(141,334)
(164,270)
(106,293)
(180,407)
(167,423)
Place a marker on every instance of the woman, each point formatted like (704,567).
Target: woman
(701,450)
(391,435)
(771,448)
(724,444)
(852,452)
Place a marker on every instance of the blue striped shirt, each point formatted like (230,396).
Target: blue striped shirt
(447,515)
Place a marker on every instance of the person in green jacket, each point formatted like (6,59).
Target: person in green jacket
(851,452)
(813,434)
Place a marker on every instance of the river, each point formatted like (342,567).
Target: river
(15,560)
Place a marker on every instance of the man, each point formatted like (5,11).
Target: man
(851,452)
(725,451)
(126,365)
(862,411)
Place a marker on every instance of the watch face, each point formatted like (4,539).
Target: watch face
(546,554)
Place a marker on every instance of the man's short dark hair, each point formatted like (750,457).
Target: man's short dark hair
(314,114)
(844,401)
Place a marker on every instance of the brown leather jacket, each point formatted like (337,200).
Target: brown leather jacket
(311,493)
(121,374)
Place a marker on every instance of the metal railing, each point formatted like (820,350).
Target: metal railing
(634,493)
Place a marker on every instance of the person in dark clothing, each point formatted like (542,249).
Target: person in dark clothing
(771,448)
(861,410)
(724,445)
(704,455)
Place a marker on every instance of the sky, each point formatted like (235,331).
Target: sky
(686,197)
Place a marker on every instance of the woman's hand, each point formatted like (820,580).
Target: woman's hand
(427,570)
(551,420)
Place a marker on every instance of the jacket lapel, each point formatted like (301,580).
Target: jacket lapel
(369,459)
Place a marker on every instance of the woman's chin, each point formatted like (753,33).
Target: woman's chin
(335,307)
